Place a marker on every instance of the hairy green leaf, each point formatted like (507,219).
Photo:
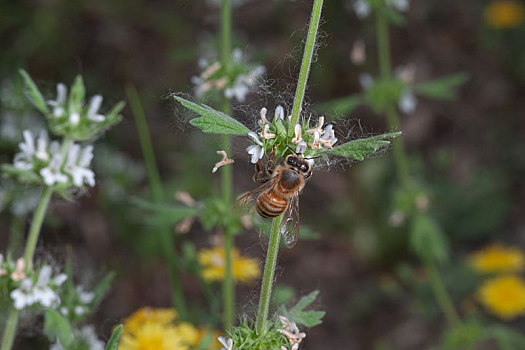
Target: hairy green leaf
(444,88)
(306,318)
(361,148)
(113,341)
(212,121)
(33,93)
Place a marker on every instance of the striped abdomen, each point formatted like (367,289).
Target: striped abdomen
(273,202)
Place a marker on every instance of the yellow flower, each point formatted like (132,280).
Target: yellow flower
(212,262)
(153,336)
(497,258)
(145,315)
(503,296)
(504,14)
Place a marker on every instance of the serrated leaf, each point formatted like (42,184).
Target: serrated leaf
(444,88)
(212,121)
(341,106)
(427,239)
(33,93)
(113,341)
(361,148)
(306,318)
(57,326)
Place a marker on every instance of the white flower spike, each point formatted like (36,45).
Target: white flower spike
(23,296)
(51,174)
(77,165)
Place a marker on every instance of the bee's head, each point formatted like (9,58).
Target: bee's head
(299,164)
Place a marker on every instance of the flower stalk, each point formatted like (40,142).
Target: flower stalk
(228,287)
(401,162)
(305,64)
(157,195)
(261,324)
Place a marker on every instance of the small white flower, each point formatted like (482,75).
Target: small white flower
(225,161)
(318,128)
(88,334)
(58,104)
(94,106)
(64,311)
(83,296)
(41,146)
(407,102)
(237,56)
(263,120)
(24,159)
(74,118)
(80,310)
(279,113)
(366,80)
(19,273)
(328,139)
(301,147)
(266,134)
(59,279)
(42,293)
(316,144)
(257,151)
(298,134)
(361,8)
(77,165)
(400,5)
(228,344)
(51,174)
(23,296)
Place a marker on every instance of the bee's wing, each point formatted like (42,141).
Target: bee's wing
(290,222)
(245,203)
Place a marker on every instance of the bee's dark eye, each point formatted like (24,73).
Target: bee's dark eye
(303,167)
(292,161)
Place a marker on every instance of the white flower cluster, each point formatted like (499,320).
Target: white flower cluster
(87,339)
(362,8)
(315,138)
(82,303)
(45,158)
(407,101)
(75,112)
(42,292)
(234,83)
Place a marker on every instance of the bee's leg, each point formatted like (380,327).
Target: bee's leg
(260,170)
(271,160)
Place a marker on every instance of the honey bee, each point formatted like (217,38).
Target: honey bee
(279,192)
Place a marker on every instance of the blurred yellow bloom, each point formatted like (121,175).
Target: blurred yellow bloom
(153,336)
(139,318)
(212,261)
(503,296)
(504,14)
(497,258)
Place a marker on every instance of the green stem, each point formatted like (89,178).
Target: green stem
(10,329)
(403,173)
(306,63)
(34,230)
(385,68)
(261,325)
(157,195)
(148,153)
(441,294)
(228,286)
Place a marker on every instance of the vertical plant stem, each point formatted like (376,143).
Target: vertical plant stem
(306,63)
(440,292)
(228,286)
(10,330)
(261,324)
(36,224)
(403,173)
(385,68)
(32,239)
(157,195)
